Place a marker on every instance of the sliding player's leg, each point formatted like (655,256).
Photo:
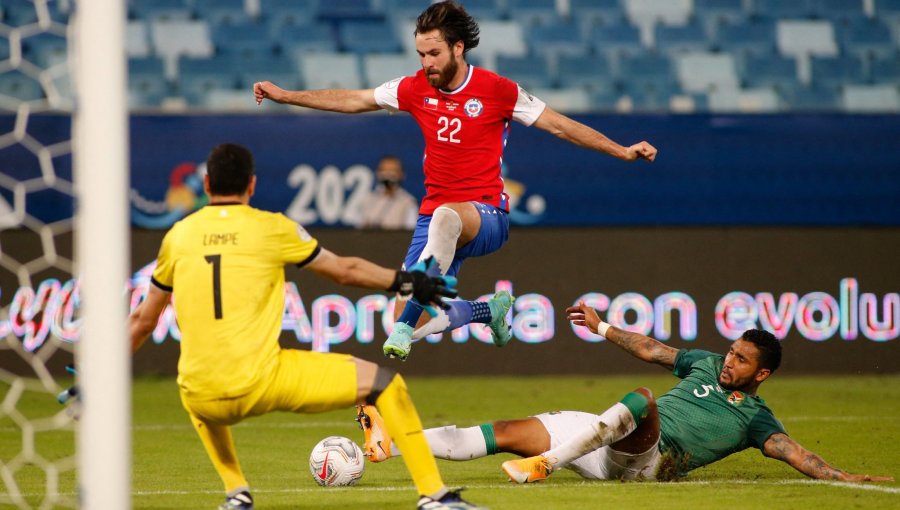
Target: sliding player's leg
(386,391)
(524,437)
(454,233)
(635,414)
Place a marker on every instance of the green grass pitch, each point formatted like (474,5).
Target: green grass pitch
(853,422)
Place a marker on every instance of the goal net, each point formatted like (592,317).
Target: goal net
(63,141)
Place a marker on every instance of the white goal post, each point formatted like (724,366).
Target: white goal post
(102,239)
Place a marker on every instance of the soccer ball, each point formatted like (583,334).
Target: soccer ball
(336,462)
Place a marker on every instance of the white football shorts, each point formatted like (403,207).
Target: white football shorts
(604,463)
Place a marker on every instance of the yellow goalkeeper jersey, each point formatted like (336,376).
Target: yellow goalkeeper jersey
(225,266)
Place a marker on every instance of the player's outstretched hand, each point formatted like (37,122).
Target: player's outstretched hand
(850,477)
(583,315)
(641,150)
(425,289)
(268,90)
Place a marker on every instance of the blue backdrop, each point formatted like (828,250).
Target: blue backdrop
(712,169)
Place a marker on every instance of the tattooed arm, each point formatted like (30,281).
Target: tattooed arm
(780,446)
(640,346)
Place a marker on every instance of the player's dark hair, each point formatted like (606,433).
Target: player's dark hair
(769,347)
(453,21)
(230,167)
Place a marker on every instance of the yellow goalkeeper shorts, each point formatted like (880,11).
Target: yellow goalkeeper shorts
(301,382)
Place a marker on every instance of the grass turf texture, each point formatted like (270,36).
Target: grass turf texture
(853,422)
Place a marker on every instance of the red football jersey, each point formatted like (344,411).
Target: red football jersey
(465,132)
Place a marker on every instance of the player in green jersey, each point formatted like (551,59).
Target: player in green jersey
(712,412)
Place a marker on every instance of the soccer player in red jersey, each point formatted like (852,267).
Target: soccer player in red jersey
(464,113)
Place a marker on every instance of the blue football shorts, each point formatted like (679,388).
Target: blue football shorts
(491,236)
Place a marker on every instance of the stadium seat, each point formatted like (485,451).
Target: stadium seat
(590,72)
(348,10)
(838,10)
(834,72)
(137,39)
(646,14)
(811,99)
(760,100)
(221,12)
(704,72)
(229,100)
(782,9)
(646,70)
(555,40)
(45,49)
(198,76)
(280,13)
(307,38)
(866,38)
(331,70)
(755,36)
(605,101)
(531,71)
(399,10)
(481,9)
(279,69)
(886,70)
(680,38)
(668,12)
(769,71)
(615,41)
(796,38)
(378,69)
(534,12)
(147,85)
(18,86)
(888,11)
(571,101)
(714,13)
(497,38)
(650,96)
(172,39)
(160,10)
(871,99)
(247,39)
(368,37)
(595,12)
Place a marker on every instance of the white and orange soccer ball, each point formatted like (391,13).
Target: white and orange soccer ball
(336,461)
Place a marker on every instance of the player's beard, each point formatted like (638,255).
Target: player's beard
(442,81)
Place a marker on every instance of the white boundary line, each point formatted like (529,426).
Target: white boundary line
(593,485)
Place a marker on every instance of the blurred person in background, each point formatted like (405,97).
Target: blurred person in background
(389,206)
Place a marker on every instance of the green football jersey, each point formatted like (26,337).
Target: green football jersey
(700,422)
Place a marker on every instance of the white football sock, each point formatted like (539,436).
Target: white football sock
(614,424)
(443,232)
(436,324)
(451,443)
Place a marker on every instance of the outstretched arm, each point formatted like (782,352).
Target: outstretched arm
(332,100)
(359,272)
(144,318)
(642,347)
(575,132)
(782,447)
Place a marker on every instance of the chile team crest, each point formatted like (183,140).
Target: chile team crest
(474,107)
(736,398)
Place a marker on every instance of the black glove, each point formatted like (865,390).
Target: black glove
(425,289)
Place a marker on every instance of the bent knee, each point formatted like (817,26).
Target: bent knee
(647,394)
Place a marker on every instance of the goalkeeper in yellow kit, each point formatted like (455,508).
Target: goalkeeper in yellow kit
(225,265)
